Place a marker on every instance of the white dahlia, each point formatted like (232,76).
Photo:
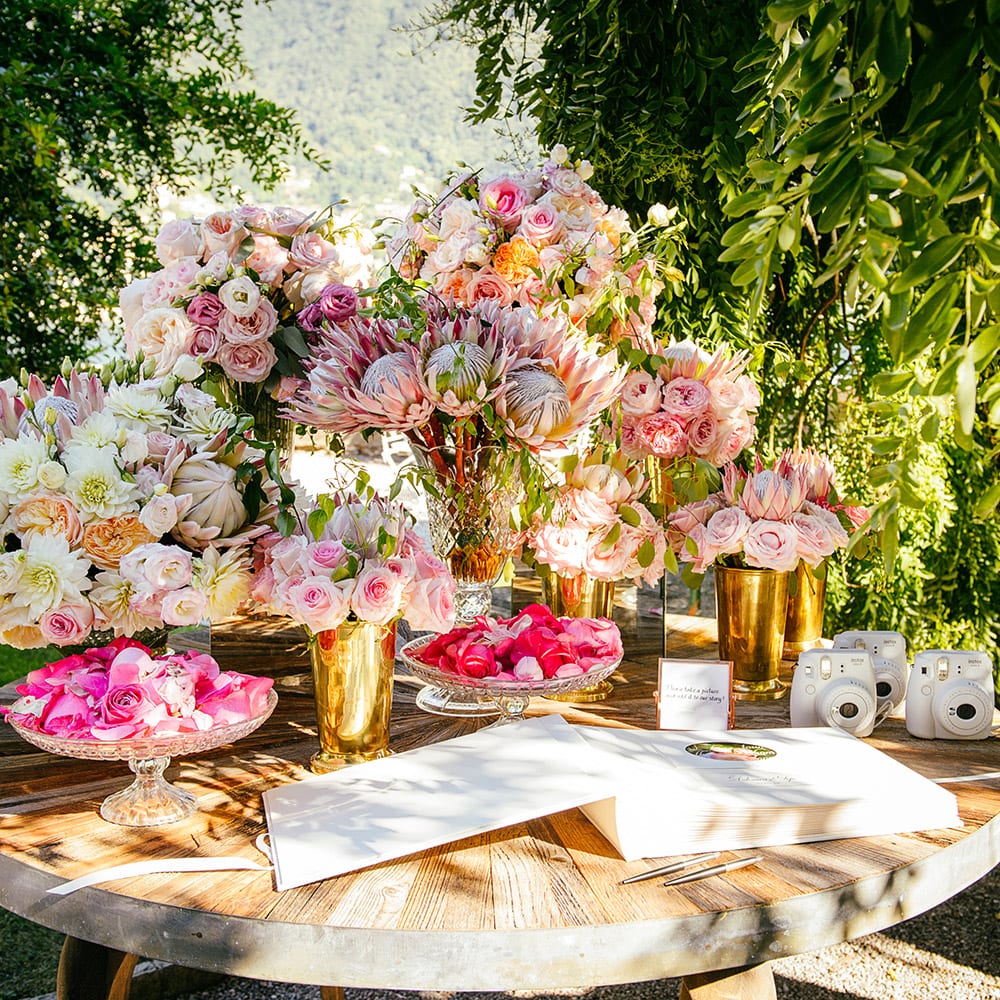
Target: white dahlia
(95,484)
(20,462)
(50,575)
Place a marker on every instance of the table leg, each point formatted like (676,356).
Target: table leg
(754,982)
(92,972)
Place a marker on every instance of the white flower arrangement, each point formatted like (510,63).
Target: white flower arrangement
(126,503)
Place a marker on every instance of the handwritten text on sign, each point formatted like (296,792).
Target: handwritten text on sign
(694,694)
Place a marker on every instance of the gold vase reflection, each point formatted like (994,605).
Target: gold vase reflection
(750,607)
(580,596)
(352,669)
(804,618)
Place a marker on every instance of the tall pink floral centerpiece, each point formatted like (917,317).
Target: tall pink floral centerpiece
(478,392)
(228,291)
(130,504)
(755,532)
(349,571)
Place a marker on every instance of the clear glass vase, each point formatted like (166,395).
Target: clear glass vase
(251,398)
(470,494)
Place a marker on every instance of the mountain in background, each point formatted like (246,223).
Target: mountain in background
(384,114)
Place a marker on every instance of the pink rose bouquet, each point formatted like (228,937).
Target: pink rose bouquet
(533,645)
(122,691)
(598,527)
(682,404)
(231,285)
(353,558)
(128,503)
(765,519)
(542,238)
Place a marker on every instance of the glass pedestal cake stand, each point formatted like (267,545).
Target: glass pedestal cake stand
(150,800)
(510,697)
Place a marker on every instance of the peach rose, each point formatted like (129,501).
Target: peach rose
(516,260)
(49,515)
(108,540)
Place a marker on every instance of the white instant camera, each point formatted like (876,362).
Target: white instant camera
(834,687)
(950,695)
(888,650)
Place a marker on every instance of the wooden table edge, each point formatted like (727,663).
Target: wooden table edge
(538,958)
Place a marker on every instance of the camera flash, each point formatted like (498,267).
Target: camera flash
(825,667)
(942,667)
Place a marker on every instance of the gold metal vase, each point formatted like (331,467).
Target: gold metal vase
(804,618)
(352,669)
(580,596)
(750,608)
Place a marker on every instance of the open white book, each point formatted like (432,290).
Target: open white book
(684,792)
(652,794)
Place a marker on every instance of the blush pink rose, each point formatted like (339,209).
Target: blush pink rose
(319,604)
(268,260)
(726,530)
(703,433)
(258,325)
(540,224)
(205,343)
(662,435)
(223,232)
(487,284)
(641,394)
(325,555)
(309,250)
(184,607)
(562,548)
(606,562)
(178,238)
(68,624)
(685,398)
(247,362)
(431,604)
(590,509)
(772,545)
(377,595)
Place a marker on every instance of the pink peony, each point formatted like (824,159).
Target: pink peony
(686,398)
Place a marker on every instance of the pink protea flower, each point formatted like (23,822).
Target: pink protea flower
(817,469)
(362,378)
(770,496)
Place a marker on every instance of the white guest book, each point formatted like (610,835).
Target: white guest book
(651,793)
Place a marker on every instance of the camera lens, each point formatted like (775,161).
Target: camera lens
(966,711)
(849,710)
(883,689)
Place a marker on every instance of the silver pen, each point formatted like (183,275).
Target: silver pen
(729,866)
(677,866)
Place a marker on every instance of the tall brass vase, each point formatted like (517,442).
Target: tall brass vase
(352,670)
(750,608)
(580,596)
(804,619)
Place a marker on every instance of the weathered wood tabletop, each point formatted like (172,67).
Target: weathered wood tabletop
(534,906)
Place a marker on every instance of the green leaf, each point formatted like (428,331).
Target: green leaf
(646,553)
(936,257)
(630,516)
(965,394)
(889,383)
(987,503)
(893,46)
(317,521)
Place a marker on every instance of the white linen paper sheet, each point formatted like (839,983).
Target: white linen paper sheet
(432,795)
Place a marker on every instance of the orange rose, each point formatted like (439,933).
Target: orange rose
(107,541)
(454,284)
(48,514)
(515,261)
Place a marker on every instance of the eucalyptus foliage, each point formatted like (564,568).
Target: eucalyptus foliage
(104,105)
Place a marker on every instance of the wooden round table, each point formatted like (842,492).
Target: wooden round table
(534,906)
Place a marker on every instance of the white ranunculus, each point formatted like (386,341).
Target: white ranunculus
(95,484)
(51,475)
(20,461)
(240,296)
(659,214)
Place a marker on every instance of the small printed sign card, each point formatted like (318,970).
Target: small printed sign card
(695,694)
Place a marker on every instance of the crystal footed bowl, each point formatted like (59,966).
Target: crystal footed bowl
(150,800)
(510,696)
